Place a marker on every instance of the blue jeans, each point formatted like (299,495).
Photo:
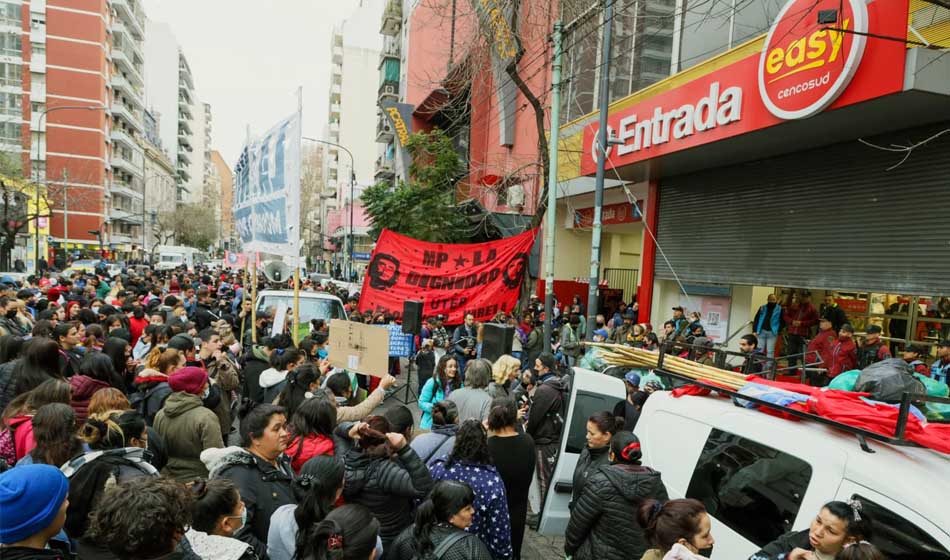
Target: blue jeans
(767,343)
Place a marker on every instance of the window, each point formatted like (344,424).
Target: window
(585,404)
(752,488)
(898,538)
(10,14)
(11,75)
(10,44)
(10,103)
(9,133)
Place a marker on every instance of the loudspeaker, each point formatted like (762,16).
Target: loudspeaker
(412,317)
(496,340)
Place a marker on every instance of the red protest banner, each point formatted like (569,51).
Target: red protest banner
(450,279)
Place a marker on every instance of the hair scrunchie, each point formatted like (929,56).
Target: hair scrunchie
(631,451)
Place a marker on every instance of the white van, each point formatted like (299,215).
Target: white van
(761,476)
(171,257)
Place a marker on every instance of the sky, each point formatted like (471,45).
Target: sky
(248,58)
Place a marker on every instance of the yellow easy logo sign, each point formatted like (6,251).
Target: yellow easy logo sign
(806,53)
(806,65)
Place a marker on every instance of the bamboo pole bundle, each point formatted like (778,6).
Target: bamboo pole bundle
(635,357)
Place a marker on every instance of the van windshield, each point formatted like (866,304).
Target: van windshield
(172,258)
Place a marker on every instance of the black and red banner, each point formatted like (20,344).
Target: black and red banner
(450,279)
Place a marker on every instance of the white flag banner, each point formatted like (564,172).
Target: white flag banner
(267,191)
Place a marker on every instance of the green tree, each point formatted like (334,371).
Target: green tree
(424,208)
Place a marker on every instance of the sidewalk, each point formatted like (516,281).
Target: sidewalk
(539,547)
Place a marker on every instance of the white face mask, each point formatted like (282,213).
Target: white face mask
(95,309)
(206,392)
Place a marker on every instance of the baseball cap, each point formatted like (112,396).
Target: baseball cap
(874,329)
(632,378)
(678,308)
(601,332)
(916,348)
(943,343)
(847,328)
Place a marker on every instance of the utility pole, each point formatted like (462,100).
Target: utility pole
(601,153)
(550,217)
(65,207)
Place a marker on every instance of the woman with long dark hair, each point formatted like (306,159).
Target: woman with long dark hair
(610,499)
(274,379)
(316,492)
(18,417)
(439,529)
(39,363)
(54,429)
(384,474)
(301,381)
(120,352)
(438,388)
(470,462)
(347,533)
(513,454)
(312,430)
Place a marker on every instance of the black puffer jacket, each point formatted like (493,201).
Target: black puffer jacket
(587,464)
(782,546)
(387,487)
(610,500)
(263,488)
(8,382)
(468,547)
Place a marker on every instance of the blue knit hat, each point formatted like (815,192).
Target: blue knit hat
(30,498)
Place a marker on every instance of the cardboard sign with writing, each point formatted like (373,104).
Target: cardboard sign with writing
(359,347)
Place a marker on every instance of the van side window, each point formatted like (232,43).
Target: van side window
(898,538)
(752,488)
(585,404)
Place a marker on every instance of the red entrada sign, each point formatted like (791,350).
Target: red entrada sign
(804,68)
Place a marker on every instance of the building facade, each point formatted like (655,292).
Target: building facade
(753,175)
(225,198)
(351,123)
(71,101)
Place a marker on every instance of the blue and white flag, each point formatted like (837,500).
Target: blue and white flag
(267,191)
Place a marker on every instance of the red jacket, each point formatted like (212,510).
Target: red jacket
(823,344)
(806,315)
(844,358)
(136,328)
(22,427)
(313,445)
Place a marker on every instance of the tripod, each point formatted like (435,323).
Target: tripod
(411,395)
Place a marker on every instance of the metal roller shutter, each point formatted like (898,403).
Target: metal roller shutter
(830,218)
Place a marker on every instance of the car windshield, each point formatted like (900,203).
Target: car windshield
(310,308)
(172,258)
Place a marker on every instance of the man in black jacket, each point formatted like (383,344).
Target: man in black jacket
(203,314)
(463,343)
(545,419)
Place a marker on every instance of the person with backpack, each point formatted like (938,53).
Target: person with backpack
(545,421)
(152,385)
(439,532)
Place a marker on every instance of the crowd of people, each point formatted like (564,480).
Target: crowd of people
(147,416)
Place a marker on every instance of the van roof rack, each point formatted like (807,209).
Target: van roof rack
(899,437)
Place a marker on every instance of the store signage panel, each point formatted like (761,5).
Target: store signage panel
(729,101)
(612,214)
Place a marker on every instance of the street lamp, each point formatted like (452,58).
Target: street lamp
(349,262)
(36,175)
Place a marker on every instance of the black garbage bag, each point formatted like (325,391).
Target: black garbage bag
(888,380)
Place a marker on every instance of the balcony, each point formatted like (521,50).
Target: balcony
(334,108)
(384,130)
(130,16)
(123,112)
(392,18)
(337,55)
(388,90)
(391,50)
(120,136)
(129,166)
(335,127)
(183,172)
(184,108)
(184,156)
(385,170)
(184,127)
(121,84)
(123,60)
(125,189)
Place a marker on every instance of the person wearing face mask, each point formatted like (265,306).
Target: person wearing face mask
(186,425)
(837,525)
(222,374)
(8,323)
(676,529)
(217,514)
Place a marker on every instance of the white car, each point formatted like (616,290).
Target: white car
(761,476)
(313,305)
